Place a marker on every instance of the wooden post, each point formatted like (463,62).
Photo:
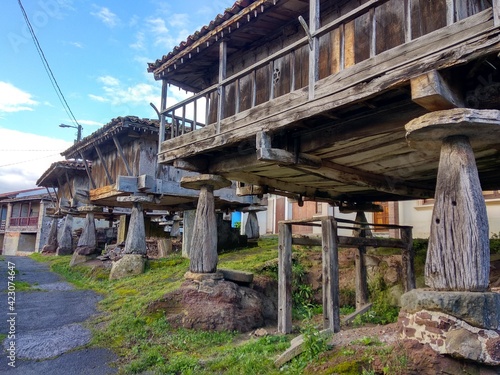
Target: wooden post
(360,263)
(458,254)
(122,229)
(408,260)
(203,252)
(496,13)
(314,24)
(285,278)
(221,88)
(187,233)
(331,302)
(458,257)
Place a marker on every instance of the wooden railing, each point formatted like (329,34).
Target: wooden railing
(24,221)
(329,242)
(224,99)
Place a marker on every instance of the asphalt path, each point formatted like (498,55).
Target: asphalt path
(44,326)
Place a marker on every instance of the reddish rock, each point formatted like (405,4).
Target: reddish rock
(214,305)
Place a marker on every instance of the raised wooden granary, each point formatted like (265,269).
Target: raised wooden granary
(353,102)
(310,98)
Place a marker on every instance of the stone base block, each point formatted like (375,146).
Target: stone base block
(128,265)
(463,325)
(203,276)
(478,309)
(79,259)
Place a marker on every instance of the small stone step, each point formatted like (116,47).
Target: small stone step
(237,276)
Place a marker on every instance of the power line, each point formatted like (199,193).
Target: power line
(47,68)
(26,161)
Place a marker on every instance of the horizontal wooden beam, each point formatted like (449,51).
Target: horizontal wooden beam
(345,241)
(283,157)
(433,92)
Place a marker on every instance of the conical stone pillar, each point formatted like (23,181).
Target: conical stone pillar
(203,249)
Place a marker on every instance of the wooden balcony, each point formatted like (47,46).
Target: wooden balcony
(333,105)
(24,222)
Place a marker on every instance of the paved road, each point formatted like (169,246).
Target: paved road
(47,324)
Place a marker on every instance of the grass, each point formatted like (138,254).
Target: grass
(144,341)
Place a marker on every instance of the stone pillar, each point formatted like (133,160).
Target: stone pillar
(66,237)
(187,234)
(135,242)
(203,249)
(252,230)
(51,245)
(458,316)
(458,257)
(87,243)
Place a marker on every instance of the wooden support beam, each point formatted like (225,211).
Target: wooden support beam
(314,24)
(408,260)
(127,184)
(433,92)
(285,278)
(221,89)
(146,183)
(496,13)
(350,207)
(122,155)
(285,158)
(360,262)
(195,164)
(331,292)
(87,169)
(103,163)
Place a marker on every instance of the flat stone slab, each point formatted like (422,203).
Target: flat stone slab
(128,265)
(237,276)
(203,276)
(479,309)
(196,182)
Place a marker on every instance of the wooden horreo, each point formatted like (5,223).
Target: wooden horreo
(309,99)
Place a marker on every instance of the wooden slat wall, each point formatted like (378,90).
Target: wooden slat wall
(372,33)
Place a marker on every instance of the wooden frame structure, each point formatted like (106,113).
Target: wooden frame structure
(330,242)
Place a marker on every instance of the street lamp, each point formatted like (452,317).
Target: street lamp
(79,131)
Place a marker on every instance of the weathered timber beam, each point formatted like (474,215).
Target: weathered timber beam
(103,193)
(127,184)
(358,177)
(350,207)
(243,190)
(195,164)
(101,158)
(146,182)
(87,169)
(345,241)
(433,92)
(122,154)
(472,37)
(286,158)
(496,12)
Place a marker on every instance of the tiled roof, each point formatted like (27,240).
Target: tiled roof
(49,177)
(114,127)
(219,20)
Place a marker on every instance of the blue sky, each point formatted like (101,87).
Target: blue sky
(98,52)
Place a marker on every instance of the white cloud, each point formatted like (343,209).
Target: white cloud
(160,32)
(109,80)
(117,94)
(22,163)
(139,43)
(98,98)
(90,123)
(179,20)
(13,99)
(76,44)
(106,16)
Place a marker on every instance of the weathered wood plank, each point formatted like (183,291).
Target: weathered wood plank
(330,279)
(285,278)
(458,254)
(440,48)
(408,260)
(122,154)
(361,281)
(434,93)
